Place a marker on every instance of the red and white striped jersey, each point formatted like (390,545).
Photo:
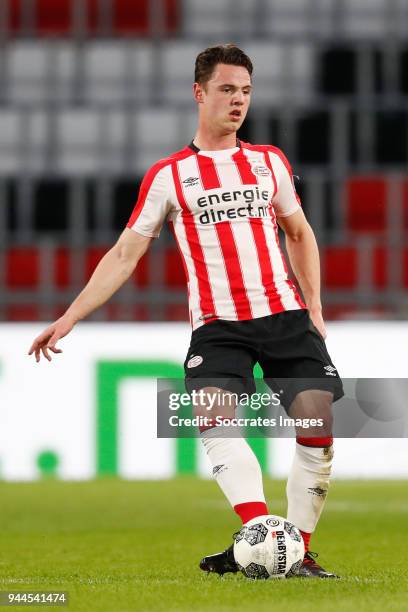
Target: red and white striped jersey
(222,206)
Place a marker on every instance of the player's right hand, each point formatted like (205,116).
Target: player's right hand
(48,339)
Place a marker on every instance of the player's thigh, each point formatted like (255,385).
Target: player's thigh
(302,364)
(218,361)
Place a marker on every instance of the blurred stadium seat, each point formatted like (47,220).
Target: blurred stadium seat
(78,133)
(23,312)
(405,267)
(175,276)
(61,268)
(116,72)
(110,17)
(365,18)
(22,268)
(178,71)
(366,204)
(340,267)
(11,142)
(288,17)
(38,71)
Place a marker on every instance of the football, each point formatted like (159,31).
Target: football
(269,546)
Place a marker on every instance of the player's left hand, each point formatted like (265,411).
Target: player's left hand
(317,320)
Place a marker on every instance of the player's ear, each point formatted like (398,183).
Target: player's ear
(198,93)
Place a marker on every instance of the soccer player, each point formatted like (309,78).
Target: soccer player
(223,199)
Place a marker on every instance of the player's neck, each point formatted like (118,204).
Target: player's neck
(214,142)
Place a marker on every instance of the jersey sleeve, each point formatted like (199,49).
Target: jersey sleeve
(286,201)
(152,206)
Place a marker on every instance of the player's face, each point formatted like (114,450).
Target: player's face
(224,99)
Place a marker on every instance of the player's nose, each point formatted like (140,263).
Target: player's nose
(238,98)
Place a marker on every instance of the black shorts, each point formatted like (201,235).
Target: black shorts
(286,345)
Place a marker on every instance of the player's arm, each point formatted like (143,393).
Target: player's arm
(304,258)
(117,265)
(300,240)
(110,274)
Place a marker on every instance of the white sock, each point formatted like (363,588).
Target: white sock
(235,466)
(307,485)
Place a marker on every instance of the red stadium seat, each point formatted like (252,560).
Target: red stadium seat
(49,16)
(339,312)
(22,312)
(130,17)
(366,204)
(175,276)
(93,257)
(380,267)
(120,312)
(405,268)
(405,203)
(141,313)
(177,312)
(339,265)
(62,273)
(141,275)
(56,17)
(22,268)
(340,268)
(14,15)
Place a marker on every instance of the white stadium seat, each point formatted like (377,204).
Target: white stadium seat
(104,71)
(23,142)
(11,142)
(302,63)
(268,72)
(26,68)
(401,17)
(117,72)
(78,140)
(287,17)
(178,71)
(37,141)
(115,142)
(38,71)
(158,133)
(281,71)
(209,18)
(63,65)
(213,20)
(365,18)
(140,57)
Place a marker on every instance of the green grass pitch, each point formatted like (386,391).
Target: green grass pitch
(119,545)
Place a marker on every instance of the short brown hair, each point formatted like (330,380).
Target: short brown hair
(219,54)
